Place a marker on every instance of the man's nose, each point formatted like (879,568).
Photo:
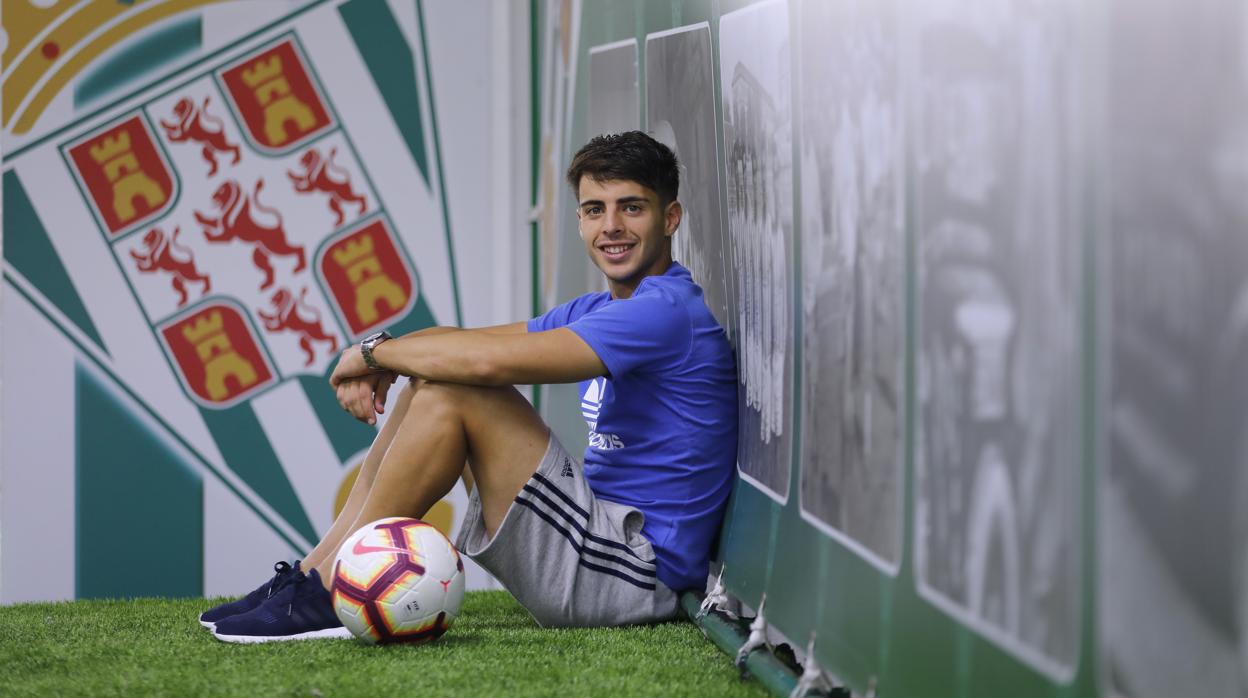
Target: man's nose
(611,220)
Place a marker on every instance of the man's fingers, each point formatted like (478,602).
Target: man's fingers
(383,389)
(362,401)
(356,397)
(353,399)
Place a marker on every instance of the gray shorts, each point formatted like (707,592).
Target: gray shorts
(568,557)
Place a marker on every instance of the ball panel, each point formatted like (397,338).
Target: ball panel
(372,570)
(446,567)
(400,605)
(354,617)
(431,629)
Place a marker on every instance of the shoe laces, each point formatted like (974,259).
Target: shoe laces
(281,574)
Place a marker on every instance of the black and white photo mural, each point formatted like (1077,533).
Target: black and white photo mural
(614,105)
(680,112)
(1173,505)
(614,96)
(853,264)
(755,71)
(998,218)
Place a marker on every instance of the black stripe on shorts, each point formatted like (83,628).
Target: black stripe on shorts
(584,514)
(582,551)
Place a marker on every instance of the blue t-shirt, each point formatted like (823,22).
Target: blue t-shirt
(663,422)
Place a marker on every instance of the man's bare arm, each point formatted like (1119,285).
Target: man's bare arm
(508,328)
(362,392)
(500,355)
(492,357)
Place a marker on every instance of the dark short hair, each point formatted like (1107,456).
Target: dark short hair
(631,156)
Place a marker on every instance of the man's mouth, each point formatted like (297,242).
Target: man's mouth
(616,251)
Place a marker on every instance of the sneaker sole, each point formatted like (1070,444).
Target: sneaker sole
(207,623)
(326,634)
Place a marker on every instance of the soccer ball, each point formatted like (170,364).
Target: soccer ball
(397,580)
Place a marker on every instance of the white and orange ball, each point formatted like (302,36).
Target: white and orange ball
(397,580)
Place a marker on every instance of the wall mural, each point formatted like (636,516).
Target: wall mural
(758,158)
(852,259)
(997,219)
(1174,498)
(190,246)
(680,112)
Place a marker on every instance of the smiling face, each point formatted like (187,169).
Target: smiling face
(627,231)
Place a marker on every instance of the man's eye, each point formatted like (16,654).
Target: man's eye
(593,211)
(632,208)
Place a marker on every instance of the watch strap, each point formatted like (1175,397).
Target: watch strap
(368,344)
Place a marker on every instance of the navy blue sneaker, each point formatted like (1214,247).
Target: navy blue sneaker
(216,614)
(301,610)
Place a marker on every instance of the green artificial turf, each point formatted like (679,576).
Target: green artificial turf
(156,647)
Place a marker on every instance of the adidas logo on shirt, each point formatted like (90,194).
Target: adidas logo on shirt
(591,406)
(567,468)
(591,401)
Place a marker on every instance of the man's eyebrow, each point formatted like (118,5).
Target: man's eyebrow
(622,200)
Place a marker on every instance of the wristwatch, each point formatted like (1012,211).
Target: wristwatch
(368,344)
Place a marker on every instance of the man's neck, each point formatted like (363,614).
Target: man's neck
(621,290)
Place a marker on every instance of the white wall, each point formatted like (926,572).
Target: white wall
(479,60)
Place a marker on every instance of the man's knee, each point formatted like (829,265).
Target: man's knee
(427,391)
(439,398)
(476,407)
(434,401)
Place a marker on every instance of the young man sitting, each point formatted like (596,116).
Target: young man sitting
(611,542)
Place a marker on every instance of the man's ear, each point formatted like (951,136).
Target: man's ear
(672,215)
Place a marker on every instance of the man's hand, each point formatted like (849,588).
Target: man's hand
(350,365)
(361,391)
(364,397)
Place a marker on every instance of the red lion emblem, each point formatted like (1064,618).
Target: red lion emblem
(321,174)
(243,217)
(295,315)
(196,124)
(161,253)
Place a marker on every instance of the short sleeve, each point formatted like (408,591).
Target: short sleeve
(637,333)
(561,315)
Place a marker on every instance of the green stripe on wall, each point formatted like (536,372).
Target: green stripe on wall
(390,61)
(28,248)
(437,154)
(140,58)
(140,508)
(247,451)
(347,435)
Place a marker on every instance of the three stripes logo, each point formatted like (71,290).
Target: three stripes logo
(570,520)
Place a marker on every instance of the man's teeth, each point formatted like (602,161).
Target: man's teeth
(615,249)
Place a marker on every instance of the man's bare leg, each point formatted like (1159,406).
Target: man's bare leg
(341,527)
(345,523)
(444,424)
